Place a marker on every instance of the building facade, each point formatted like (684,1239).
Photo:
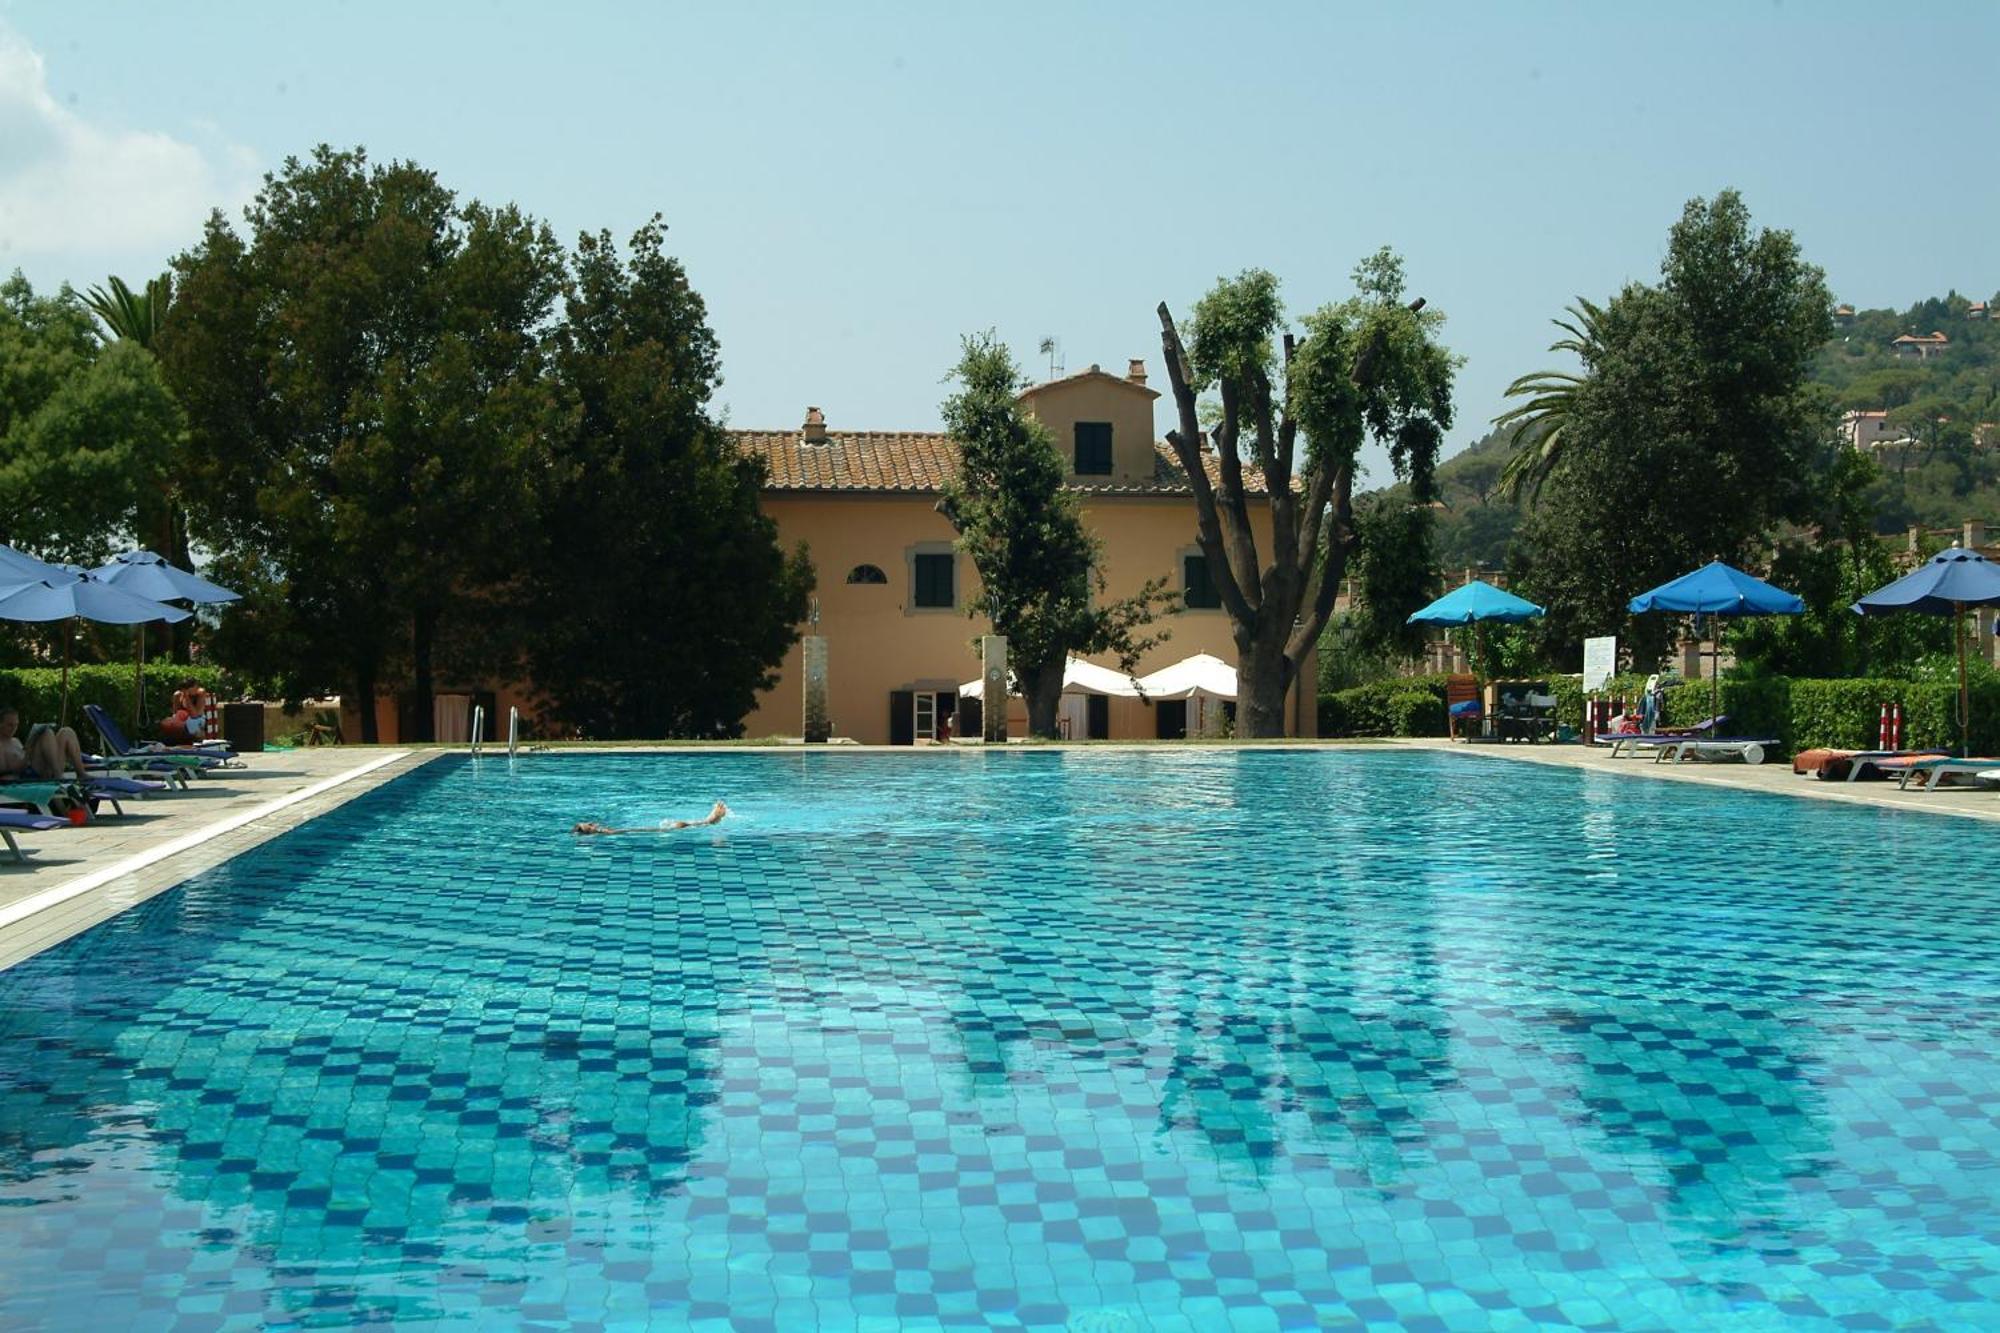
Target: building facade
(892,592)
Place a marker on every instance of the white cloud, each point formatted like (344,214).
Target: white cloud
(71,188)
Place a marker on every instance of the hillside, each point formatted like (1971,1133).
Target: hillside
(1938,453)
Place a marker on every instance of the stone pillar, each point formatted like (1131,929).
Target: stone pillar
(993,677)
(817,729)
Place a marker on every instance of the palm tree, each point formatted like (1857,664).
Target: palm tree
(1540,424)
(131,316)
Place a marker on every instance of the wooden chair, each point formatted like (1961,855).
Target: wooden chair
(1458,689)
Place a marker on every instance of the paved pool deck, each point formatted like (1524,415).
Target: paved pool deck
(75,878)
(1770,776)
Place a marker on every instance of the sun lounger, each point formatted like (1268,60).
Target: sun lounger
(1625,745)
(1831,765)
(1931,773)
(1750,749)
(208,754)
(42,797)
(12,821)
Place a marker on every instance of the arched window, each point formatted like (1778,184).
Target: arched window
(866,574)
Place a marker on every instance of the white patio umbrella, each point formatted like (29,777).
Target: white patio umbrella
(1196,679)
(1079,677)
(1200,674)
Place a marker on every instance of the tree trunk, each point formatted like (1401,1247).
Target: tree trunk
(364,700)
(1263,676)
(423,634)
(1042,687)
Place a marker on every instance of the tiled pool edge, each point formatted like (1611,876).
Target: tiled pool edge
(1776,779)
(38,923)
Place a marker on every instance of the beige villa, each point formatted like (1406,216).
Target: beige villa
(893,593)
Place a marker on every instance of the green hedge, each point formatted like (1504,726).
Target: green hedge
(1398,706)
(1802,714)
(37,691)
(1841,714)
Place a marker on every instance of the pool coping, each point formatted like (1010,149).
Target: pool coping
(1772,779)
(46,918)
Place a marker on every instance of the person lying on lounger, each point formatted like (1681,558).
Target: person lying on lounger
(714,816)
(50,752)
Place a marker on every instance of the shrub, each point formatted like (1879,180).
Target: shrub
(1369,710)
(37,691)
(1416,713)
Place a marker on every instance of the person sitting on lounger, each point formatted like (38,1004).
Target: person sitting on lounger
(189,718)
(714,816)
(49,753)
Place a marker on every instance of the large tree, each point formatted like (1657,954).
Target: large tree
(1294,415)
(663,602)
(86,429)
(363,375)
(1693,430)
(1039,583)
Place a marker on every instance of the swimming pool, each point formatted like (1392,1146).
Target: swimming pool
(1100,1040)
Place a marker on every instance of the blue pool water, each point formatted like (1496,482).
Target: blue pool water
(1099,1041)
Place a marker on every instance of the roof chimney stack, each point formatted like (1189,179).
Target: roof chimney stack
(1136,372)
(814,431)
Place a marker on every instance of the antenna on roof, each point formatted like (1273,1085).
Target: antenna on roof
(1052,349)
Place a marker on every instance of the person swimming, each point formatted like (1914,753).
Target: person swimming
(714,816)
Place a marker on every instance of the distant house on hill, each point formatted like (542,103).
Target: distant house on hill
(1867,430)
(1921,346)
(1843,314)
(1977,310)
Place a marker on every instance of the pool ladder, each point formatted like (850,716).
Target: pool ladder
(513,728)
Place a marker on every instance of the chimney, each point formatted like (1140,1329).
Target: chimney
(814,431)
(1136,371)
(1974,534)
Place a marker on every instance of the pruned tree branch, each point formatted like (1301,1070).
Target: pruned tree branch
(1185,441)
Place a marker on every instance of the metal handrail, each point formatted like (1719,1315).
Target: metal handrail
(478,726)
(513,730)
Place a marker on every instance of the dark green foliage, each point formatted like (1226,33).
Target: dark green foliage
(37,692)
(1393,575)
(1387,707)
(1693,432)
(88,431)
(362,374)
(1416,713)
(661,601)
(1024,533)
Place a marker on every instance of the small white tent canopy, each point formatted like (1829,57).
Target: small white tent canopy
(1200,674)
(1079,677)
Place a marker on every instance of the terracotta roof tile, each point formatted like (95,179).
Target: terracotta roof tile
(919,461)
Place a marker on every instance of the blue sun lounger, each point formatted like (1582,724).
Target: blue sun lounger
(123,753)
(13,821)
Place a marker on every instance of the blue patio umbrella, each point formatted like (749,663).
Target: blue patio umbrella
(147,575)
(1946,584)
(67,596)
(1717,589)
(1476,601)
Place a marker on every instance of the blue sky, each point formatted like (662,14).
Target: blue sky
(854,186)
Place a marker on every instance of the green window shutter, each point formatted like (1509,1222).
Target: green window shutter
(1093,448)
(934,581)
(1200,588)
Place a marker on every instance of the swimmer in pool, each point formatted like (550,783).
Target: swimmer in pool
(714,816)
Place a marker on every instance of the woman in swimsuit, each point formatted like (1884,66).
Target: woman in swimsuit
(714,816)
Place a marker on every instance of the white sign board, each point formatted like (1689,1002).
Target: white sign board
(1600,662)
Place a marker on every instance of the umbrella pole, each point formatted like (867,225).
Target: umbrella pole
(1964,699)
(69,631)
(139,683)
